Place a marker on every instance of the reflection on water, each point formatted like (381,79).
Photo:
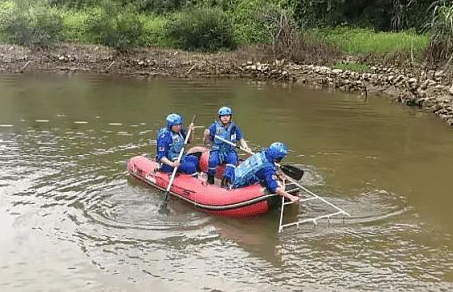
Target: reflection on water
(72,219)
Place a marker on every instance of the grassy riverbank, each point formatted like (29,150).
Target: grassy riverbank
(207,27)
(79,25)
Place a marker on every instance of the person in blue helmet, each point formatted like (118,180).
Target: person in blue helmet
(222,152)
(170,141)
(261,168)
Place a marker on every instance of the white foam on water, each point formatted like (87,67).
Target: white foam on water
(80,122)
(115,124)
(42,121)
(5,126)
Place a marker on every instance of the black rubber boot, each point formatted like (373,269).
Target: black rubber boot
(210,179)
(226,183)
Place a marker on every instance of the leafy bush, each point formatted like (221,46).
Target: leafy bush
(202,29)
(76,4)
(249,27)
(154,6)
(116,26)
(75,26)
(159,6)
(29,24)
(155,32)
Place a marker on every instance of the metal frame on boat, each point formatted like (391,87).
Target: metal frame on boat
(313,220)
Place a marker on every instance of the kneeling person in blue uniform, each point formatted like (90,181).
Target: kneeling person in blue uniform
(222,152)
(261,168)
(170,141)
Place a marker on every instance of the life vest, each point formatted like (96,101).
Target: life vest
(228,133)
(176,145)
(245,173)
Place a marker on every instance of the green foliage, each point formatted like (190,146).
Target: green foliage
(441,28)
(155,32)
(365,41)
(116,26)
(154,6)
(210,25)
(248,26)
(30,24)
(202,29)
(74,4)
(414,14)
(251,20)
(6,5)
(75,26)
(382,15)
(356,67)
(158,6)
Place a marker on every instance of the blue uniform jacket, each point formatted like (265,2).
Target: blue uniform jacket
(268,176)
(164,143)
(212,131)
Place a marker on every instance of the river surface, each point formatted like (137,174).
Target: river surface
(72,219)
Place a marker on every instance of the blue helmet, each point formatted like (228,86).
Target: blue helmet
(277,150)
(174,119)
(225,111)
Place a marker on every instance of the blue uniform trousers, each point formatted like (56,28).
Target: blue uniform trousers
(216,158)
(188,165)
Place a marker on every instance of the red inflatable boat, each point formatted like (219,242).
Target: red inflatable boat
(244,202)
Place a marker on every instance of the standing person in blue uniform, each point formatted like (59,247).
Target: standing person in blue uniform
(222,152)
(170,141)
(261,168)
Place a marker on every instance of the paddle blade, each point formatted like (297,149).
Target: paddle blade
(292,171)
(163,209)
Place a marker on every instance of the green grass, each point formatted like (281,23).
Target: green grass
(356,67)
(354,41)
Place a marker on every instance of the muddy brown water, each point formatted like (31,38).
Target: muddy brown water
(71,219)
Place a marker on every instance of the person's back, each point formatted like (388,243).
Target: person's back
(253,170)
(261,168)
